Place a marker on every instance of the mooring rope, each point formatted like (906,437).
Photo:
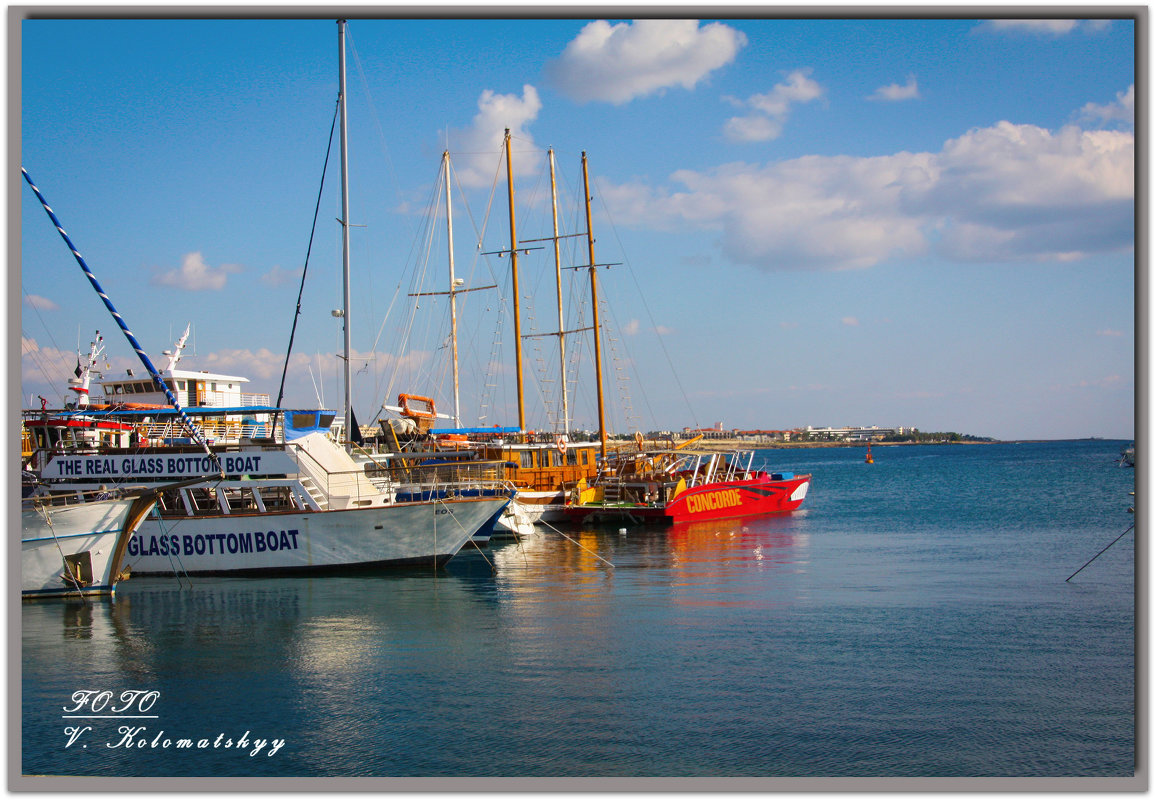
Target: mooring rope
(1097,556)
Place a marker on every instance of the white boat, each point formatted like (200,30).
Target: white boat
(73,546)
(290,501)
(295,503)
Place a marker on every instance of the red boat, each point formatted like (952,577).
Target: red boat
(674,487)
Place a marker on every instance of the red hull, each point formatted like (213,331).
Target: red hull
(720,500)
(757,496)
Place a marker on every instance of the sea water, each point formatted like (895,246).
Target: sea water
(914,619)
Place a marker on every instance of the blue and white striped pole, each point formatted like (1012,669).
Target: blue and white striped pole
(192,428)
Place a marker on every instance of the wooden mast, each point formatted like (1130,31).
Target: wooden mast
(453,290)
(594,303)
(517,297)
(561,320)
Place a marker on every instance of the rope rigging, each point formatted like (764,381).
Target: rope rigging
(308,251)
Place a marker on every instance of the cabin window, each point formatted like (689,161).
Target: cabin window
(117,389)
(572,457)
(181,385)
(305,420)
(171,384)
(527,459)
(326,420)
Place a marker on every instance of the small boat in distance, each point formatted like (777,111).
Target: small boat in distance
(1128,456)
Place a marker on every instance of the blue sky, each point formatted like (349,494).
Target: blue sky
(828,222)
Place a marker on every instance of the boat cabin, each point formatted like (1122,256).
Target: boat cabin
(192,389)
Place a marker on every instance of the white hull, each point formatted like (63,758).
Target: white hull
(301,542)
(83,535)
(517,519)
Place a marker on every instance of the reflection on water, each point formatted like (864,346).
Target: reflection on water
(865,636)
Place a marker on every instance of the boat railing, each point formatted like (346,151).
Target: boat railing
(214,429)
(445,479)
(337,486)
(73,497)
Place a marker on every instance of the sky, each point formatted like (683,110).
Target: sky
(924,223)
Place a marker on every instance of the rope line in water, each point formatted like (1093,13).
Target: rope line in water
(1097,556)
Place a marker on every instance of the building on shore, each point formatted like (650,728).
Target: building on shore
(808,433)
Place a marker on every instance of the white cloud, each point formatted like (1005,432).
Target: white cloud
(279,276)
(895,92)
(618,63)
(1043,27)
(769,111)
(850,321)
(1046,27)
(482,143)
(1109,332)
(631,328)
(195,275)
(1004,193)
(1122,110)
(37,302)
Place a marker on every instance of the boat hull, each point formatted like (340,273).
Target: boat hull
(289,543)
(82,536)
(721,500)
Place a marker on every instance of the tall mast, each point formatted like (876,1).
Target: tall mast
(561,320)
(517,298)
(594,303)
(453,290)
(345,235)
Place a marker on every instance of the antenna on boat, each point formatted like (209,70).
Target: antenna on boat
(192,428)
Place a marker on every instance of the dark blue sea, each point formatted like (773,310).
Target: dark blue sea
(913,620)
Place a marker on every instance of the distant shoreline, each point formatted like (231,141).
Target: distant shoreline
(740,444)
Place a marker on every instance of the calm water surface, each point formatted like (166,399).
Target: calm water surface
(913,620)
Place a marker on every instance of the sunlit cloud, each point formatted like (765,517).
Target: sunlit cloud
(1037,27)
(850,321)
(1003,193)
(195,275)
(482,143)
(279,276)
(37,302)
(1123,110)
(895,92)
(769,111)
(1108,332)
(618,63)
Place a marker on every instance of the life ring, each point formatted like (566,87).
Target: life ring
(638,439)
(561,443)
